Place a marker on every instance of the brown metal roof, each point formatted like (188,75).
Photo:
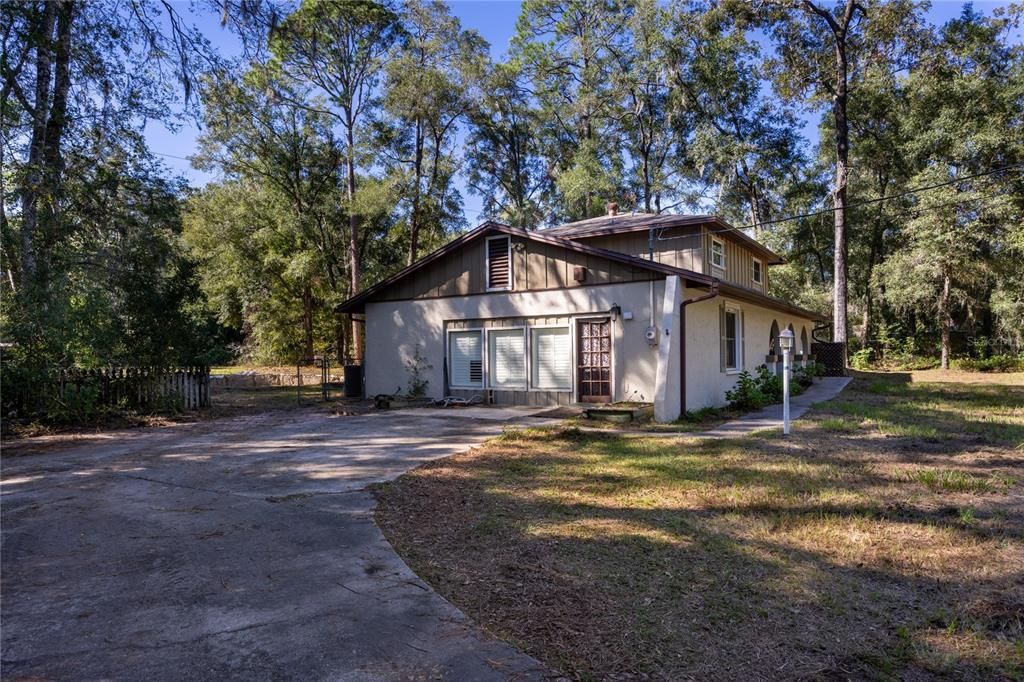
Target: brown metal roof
(357,302)
(754,296)
(637,222)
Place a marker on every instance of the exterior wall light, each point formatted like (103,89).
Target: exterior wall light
(615,311)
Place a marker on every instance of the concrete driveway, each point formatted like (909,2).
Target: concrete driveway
(243,548)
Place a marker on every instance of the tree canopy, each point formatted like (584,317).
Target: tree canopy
(346,136)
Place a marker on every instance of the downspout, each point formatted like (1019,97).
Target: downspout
(712,292)
(650,282)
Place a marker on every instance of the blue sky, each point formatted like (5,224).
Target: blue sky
(494,19)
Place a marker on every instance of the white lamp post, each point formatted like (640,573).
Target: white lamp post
(786,343)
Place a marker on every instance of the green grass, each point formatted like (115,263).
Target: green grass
(961,481)
(839,424)
(809,556)
(693,421)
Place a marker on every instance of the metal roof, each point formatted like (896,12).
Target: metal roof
(356,304)
(635,222)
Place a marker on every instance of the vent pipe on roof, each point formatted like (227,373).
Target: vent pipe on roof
(613,209)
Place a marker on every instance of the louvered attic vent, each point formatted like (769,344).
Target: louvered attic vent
(499,268)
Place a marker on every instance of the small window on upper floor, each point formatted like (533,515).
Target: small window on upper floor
(499,264)
(757,275)
(718,254)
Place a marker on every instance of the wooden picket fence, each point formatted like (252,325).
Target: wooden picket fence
(141,388)
(76,394)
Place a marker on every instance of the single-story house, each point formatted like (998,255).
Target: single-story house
(666,309)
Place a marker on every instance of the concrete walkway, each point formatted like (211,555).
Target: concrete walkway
(770,417)
(234,549)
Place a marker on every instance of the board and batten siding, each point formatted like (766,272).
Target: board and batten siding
(679,247)
(739,262)
(536,266)
(533,397)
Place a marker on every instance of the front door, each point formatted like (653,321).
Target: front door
(594,361)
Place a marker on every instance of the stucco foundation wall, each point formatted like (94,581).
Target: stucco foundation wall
(706,384)
(394,329)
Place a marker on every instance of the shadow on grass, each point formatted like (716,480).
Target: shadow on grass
(819,556)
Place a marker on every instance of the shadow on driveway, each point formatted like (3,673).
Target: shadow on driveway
(242,548)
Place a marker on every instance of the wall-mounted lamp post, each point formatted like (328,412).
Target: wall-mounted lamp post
(786,343)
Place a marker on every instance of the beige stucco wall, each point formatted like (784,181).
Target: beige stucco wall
(395,328)
(706,384)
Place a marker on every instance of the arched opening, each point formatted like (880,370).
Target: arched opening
(804,348)
(773,339)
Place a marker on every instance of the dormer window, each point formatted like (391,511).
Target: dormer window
(718,254)
(499,264)
(757,275)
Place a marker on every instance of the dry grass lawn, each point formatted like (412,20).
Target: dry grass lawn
(884,539)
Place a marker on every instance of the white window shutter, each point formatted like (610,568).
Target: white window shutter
(723,346)
(465,358)
(552,358)
(507,367)
(741,333)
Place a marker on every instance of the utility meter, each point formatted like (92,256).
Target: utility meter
(651,334)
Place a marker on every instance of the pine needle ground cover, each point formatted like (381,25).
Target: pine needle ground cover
(884,539)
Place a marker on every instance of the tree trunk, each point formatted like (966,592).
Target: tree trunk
(340,341)
(842,142)
(33,188)
(307,324)
(353,234)
(946,318)
(414,219)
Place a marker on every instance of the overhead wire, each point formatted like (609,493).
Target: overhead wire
(865,202)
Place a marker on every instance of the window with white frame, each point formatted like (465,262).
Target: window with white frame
(732,339)
(465,359)
(757,275)
(718,253)
(551,358)
(506,360)
(499,263)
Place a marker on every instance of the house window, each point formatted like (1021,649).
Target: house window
(756,275)
(718,253)
(506,358)
(465,359)
(731,323)
(551,358)
(499,264)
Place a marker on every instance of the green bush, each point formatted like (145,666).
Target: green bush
(996,363)
(752,392)
(746,394)
(862,359)
(803,377)
(770,384)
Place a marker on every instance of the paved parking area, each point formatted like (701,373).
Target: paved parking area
(243,548)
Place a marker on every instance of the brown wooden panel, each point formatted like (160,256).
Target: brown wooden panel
(554,267)
(535,275)
(535,266)
(519,250)
(575,259)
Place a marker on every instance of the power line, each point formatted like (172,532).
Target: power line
(866,202)
(171,156)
